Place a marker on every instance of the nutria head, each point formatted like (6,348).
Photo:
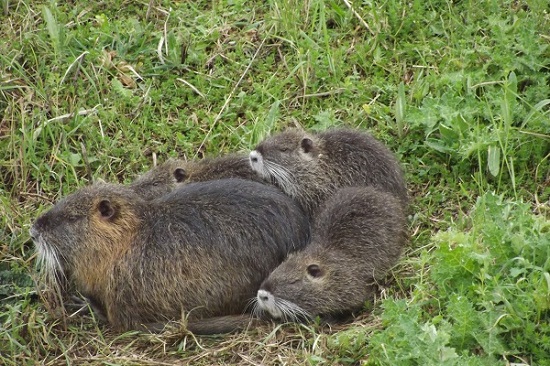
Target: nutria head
(83,235)
(311,167)
(167,176)
(292,160)
(160,180)
(222,167)
(313,283)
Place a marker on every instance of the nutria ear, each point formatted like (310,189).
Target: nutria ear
(307,144)
(106,209)
(180,175)
(314,271)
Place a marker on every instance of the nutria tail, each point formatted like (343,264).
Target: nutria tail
(210,326)
(222,324)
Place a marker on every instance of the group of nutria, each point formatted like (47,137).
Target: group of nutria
(302,227)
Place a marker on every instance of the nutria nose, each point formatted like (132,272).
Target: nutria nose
(263,295)
(255,156)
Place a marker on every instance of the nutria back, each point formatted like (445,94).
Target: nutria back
(357,237)
(202,249)
(167,176)
(311,166)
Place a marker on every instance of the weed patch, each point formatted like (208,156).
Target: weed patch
(488,298)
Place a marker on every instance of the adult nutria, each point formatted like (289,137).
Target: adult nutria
(356,239)
(202,249)
(173,172)
(309,167)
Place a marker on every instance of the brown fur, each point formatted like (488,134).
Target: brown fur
(311,166)
(357,237)
(202,250)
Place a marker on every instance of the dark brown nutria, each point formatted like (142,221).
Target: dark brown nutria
(357,237)
(167,176)
(311,166)
(202,249)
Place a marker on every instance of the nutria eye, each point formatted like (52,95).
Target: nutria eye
(283,149)
(314,271)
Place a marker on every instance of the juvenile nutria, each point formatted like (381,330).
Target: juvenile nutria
(165,177)
(203,249)
(309,167)
(356,239)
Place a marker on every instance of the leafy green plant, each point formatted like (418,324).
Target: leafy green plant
(490,294)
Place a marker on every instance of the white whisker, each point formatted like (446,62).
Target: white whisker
(281,175)
(251,304)
(257,311)
(291,311)
(50,266)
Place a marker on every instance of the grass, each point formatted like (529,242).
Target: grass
(460,90)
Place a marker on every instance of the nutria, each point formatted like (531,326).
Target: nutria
(309,167)
(202,249)
(356,239)
(173,172)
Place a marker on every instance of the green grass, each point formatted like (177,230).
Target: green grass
(460,90)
